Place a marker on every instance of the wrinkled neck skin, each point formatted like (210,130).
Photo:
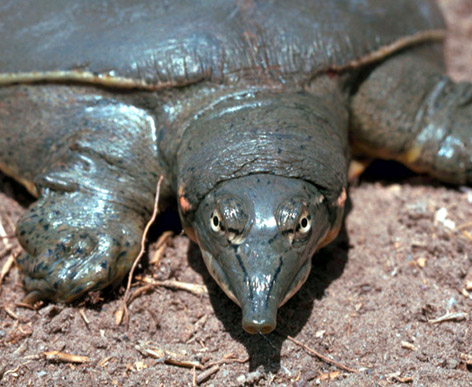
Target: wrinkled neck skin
(261,183)
(300,134)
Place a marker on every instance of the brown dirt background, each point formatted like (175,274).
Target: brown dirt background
(367,303)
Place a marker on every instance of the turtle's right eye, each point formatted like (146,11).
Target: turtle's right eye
(304,223)
(294,220)
(215,222)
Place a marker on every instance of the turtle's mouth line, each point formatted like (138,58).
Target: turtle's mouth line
(297,281)
(218,275)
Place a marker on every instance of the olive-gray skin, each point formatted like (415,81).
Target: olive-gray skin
(249,110)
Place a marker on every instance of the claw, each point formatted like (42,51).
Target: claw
(32,297)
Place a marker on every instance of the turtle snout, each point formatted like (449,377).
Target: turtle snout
(262,319)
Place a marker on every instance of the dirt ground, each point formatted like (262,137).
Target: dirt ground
(389,299)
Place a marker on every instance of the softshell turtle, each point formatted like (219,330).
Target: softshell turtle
(248,109)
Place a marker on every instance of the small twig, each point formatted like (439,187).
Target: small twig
(12,371)
(21,349)
(178,285)
(4,236)
(104,362)
(7,266)
(449,317)
(139,291)
(124,304)
(322,357)
(329,375)
(227,359)
(467,234)
(12,226)
(464,225)
(8,247)
(11,313)
(9,236)
(84,317)
(160,247)
(6,251)
(407,379)
(167,357)
(410,346)
(33,357)
(65,357)
(206,374)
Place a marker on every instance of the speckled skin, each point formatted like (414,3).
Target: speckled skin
(245,108)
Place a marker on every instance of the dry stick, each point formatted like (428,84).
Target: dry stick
(176,285)
(139,291)
(12,314)
(206,374)
(194,376)
(8,247)
(12,371)
(9,236)
(160,247)
(449,317)
(322,357)
(167,357)
(65,357)
(467,234)
(226,360)
(5,251)
(6,267)
(104,362)
(464,225)
(124,307)
(84,317)
(4,236)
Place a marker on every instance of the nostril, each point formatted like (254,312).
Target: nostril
(254,327)
(267,329)
(250,329)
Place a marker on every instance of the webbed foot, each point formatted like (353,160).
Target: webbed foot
(76,242)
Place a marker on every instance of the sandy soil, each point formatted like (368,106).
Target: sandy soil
(402,262)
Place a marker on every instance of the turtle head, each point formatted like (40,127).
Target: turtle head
(261,180)
(257,235)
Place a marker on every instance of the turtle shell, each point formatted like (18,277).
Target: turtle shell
(156,44)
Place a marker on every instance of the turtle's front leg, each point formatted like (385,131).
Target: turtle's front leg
(95,197)
(407,109)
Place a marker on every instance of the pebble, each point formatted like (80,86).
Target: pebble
(451,303)
(250,379)
(451,363)
(441,217)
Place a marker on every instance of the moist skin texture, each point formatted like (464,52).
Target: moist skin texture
(115,184)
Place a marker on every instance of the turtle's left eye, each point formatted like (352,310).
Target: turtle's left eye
(216,222)
(304,223)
